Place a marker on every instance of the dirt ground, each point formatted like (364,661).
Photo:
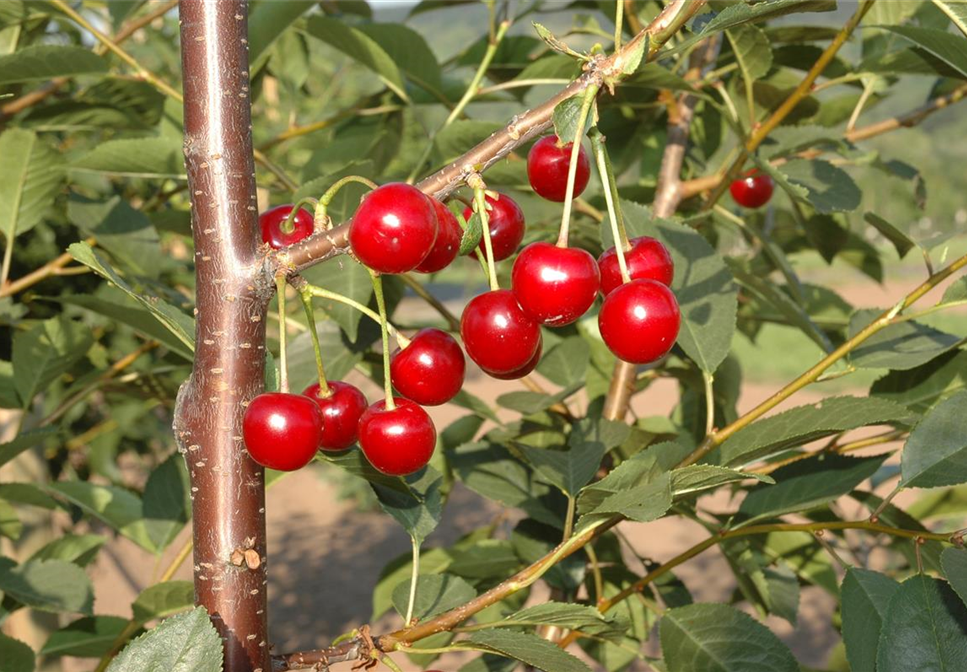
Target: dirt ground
(325,556)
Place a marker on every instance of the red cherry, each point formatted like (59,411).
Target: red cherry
(497,334)
(393,229)
(506,224)
(555,285)
(522,371)
(753,190)
(430,369)
(282,431)
(340,413)
(639,321)
(647,259)
(270,223)
(447,244)
(548,163)
(398,441)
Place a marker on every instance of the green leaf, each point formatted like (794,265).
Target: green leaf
(566,115)
(900,240)
(925,628)
(555,43)
(485,559)
(435,594)
(935,455)
(568,470)
(27,493)
(267,20)
(471,235)
(703,285)
(752,51)
(954,561)
(865,597)
(818,183)
(642,503)
(23,441)
(803,424)
(40,62)
(162,600)
(956,291)
(949,48)
(699,477)
(901,345)
(80,549)
(360,47)
(173,319)
(921,388)
(45,352)
(135,157)
(570,616)
(167,501)
(408,50)
(31,175)
(417,506)
(121,230)
(88,637)
(808,484)
(433,561)
(343,276)
(15,656)
(567,362)
(718,638)
(10,525)
(118,508)
(529,649)
(529,403)
(48,585)
(183,643)
(956,10)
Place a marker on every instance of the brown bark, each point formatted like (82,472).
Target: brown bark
(228,497)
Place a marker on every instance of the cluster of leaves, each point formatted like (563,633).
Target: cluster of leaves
(97,168)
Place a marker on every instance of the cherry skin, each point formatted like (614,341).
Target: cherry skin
(639,321)
(522,371)
(282,431)
(393,229)
(430,369)
(548,163)
(447,244)
(647,259)
(270,224)
(341,411)
(505,220)
(399,441)
(753,190)
(496,333)
(555,285)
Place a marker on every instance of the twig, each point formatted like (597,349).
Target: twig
(50,268)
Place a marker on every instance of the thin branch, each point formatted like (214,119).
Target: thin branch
(52,267)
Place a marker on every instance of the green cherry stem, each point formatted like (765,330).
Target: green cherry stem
(288,225)
(283,368)
(321,217)
(414,576)
(384,328)
(618,21)
(480,201)
(589,95)
(306,296)
(313,290)
(614,213)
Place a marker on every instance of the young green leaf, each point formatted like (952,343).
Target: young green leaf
(935,455)
(47,585)
(31,175)
(183,643)
(899,240)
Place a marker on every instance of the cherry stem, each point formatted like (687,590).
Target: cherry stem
(384,328)
(321,218)
(572,170)
(480,201)
(306,296)
(610,197)
(288,224)
(283,368)
(414,575)
(618,20)
(313,290)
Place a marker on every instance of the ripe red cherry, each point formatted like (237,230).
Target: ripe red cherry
(639,321)
(647,259)
(398,441)
(447,244)
(506,224)
(555,285)
(497,334)
(522,371)
(282,431)
(270,223)
(547,167)
(393,229)
(340,414)
(430,369)
(753,190)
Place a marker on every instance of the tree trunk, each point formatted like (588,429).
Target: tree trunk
(228,488)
